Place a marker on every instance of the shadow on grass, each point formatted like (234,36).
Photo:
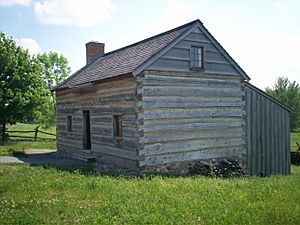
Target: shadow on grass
(70,165)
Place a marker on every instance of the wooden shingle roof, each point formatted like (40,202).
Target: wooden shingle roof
(135,58)
(124,60)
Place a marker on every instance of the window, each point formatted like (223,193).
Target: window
(117,125)
(69,123)
(197,57)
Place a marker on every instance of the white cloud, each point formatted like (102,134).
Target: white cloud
(15,2)
(82,13)
(279,5)
(30,44)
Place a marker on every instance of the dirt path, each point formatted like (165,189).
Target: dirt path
(42,157)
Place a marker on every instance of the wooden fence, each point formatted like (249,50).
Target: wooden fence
(16,135)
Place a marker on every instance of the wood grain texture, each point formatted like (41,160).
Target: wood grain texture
(103,100)
(187,116)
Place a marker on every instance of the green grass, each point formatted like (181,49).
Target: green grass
(39,195)
(295,136)
(13,145)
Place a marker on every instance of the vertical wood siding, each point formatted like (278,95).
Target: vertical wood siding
(103,100)
(268,134)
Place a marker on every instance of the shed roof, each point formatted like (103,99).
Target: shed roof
(136,57)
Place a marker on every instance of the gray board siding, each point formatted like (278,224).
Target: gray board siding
(102,100)
(187,116)
(268,135)
(178,57)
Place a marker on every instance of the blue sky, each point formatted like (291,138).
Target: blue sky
(262,36)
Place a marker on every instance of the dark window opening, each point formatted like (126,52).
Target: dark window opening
(86,130)
(69,123)
(197,57)
(117,125)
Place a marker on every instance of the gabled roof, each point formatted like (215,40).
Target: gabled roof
(136,57)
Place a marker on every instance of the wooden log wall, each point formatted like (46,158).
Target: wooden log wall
(103,100)
(190,116)
(268,134)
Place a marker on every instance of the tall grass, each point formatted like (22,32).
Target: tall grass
(38,195)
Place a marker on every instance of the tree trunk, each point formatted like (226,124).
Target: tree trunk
(3,131)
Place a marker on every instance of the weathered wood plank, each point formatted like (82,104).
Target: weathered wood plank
(181,113)
(188,91)
(127,143)
(192,126)
(179,102)
(157,80)
(202,154)
(194,74)
(190,145)
(114,151)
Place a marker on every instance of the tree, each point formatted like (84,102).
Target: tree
(288,93)
(21,87)
(54,69)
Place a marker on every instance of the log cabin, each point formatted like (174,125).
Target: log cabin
(168,102)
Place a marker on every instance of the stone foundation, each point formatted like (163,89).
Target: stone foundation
(222,167)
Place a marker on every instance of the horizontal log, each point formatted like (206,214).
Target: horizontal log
(180,113)
(189,81)
(127,143)
(115,151)
(72,135)
(115,160)
(188,91)
(69,142)
(114,109)
(232,151)
(106,119)
(178,135)
(191,126)
(190,145)
(193,74)
(179,102)
(177,121)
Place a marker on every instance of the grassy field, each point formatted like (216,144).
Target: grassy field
(39,195)
(295,136)
(14,145)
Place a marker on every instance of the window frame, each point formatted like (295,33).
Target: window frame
(192,60)
(69,123)
(118,127)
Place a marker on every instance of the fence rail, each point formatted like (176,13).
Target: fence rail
(34,137)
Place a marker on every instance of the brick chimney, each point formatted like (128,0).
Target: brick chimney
(93,50)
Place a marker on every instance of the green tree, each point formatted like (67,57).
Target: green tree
(54,69)
(21,87)
(288,93)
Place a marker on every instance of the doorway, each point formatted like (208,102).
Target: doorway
(86,130)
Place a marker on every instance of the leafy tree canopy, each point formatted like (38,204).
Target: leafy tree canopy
(288,93)
(21,87)
(54,69)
